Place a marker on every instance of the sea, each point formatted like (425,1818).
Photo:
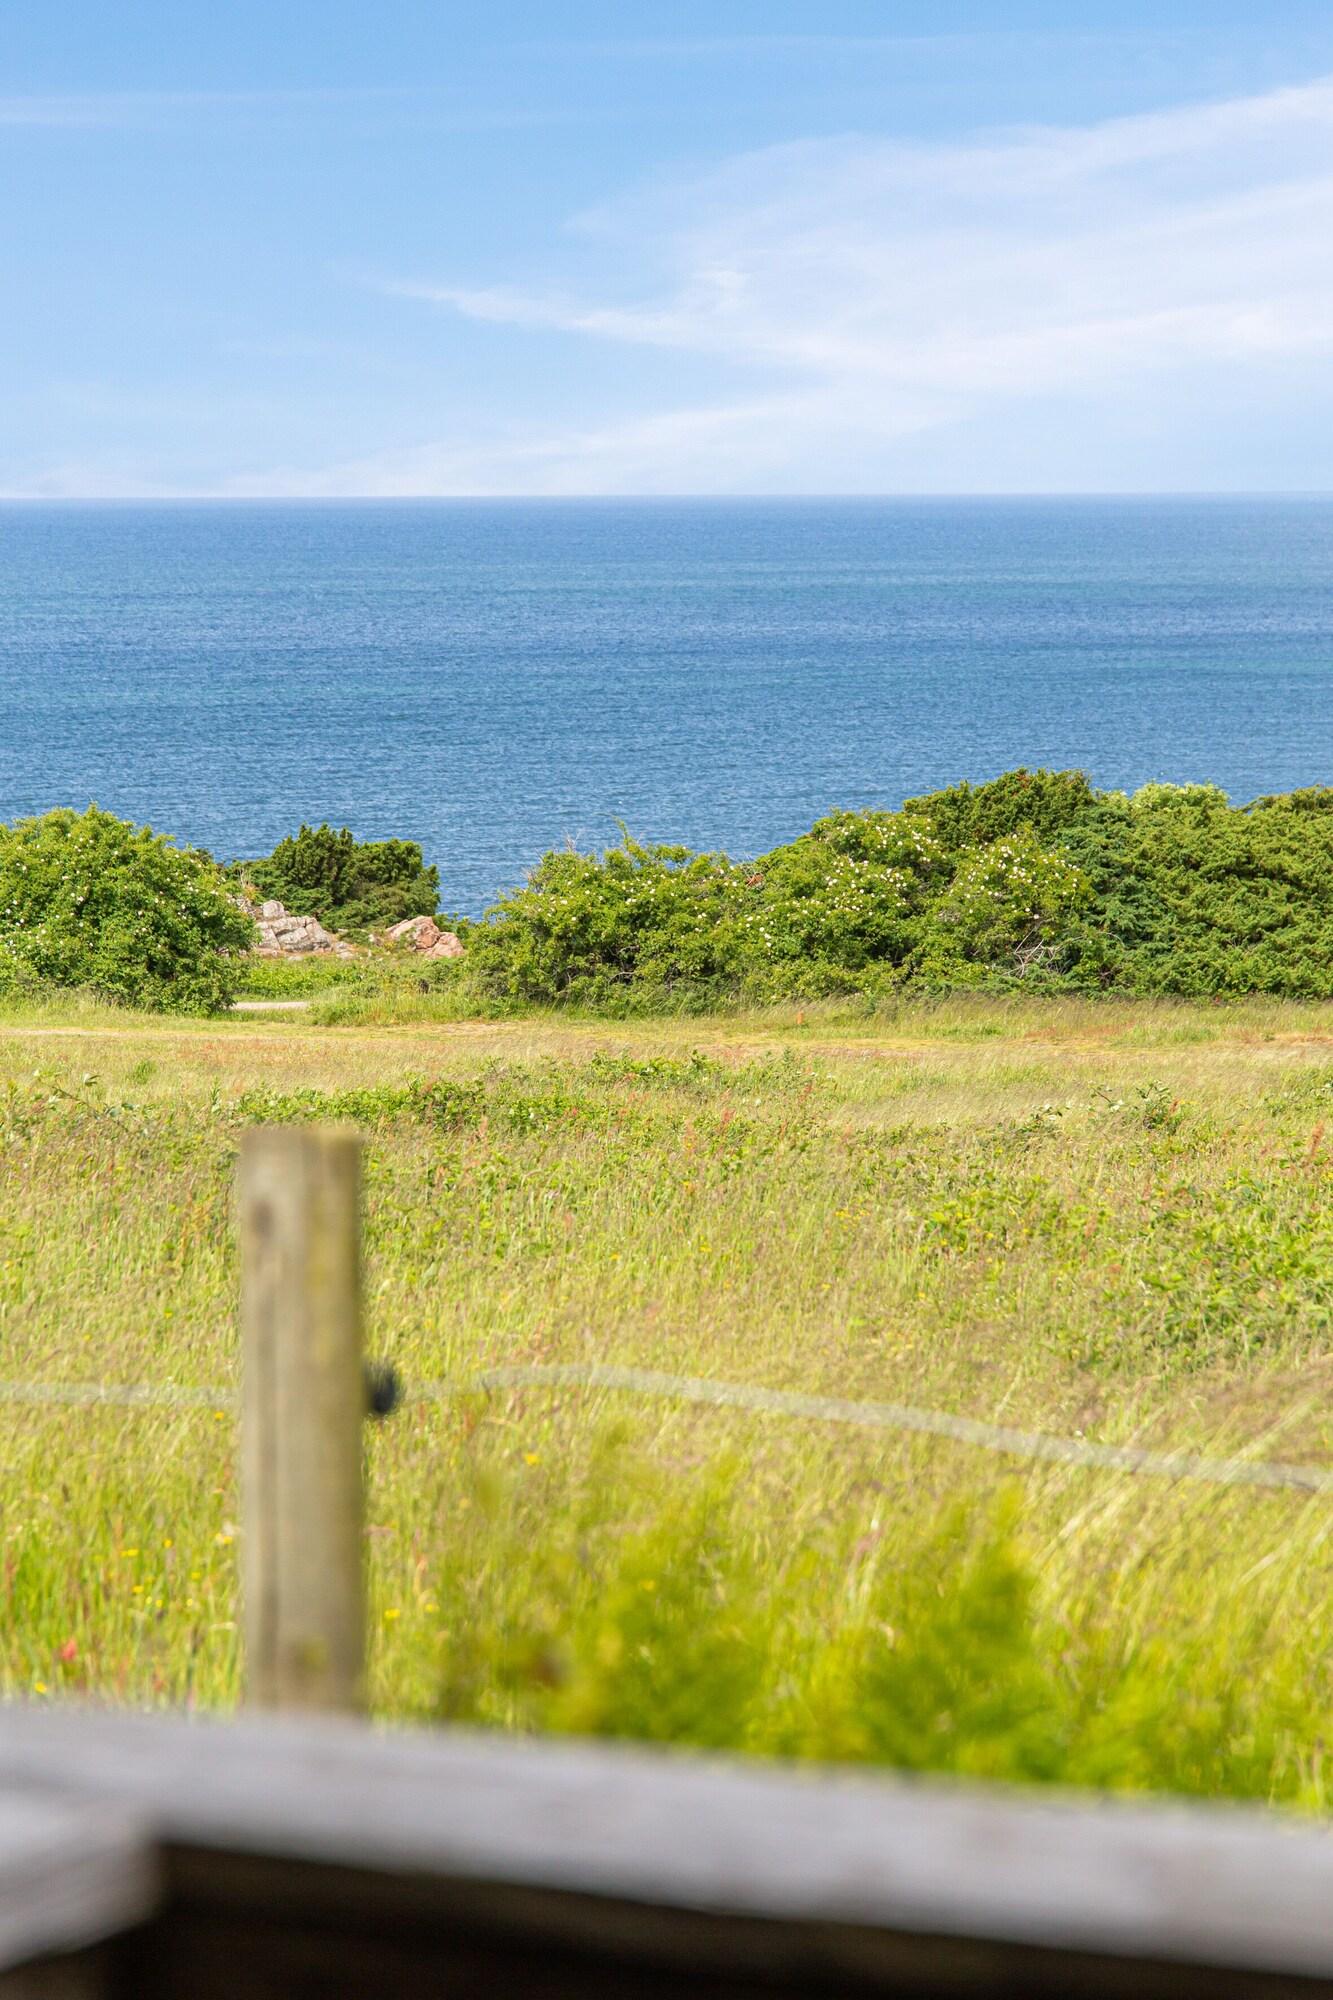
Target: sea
(493,679)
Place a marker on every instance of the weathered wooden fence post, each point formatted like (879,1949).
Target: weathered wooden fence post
(302,1410)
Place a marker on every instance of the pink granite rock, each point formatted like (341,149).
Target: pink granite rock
(423,933)
(282,935)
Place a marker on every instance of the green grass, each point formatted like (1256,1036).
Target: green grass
(1101,1218)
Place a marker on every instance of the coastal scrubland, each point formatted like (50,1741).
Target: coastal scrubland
(1105,1218)
(1034,882)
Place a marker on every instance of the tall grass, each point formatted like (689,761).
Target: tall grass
(1108,1220)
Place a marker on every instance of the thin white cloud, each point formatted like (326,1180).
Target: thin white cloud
(876,287)
(726,448)
(859,314)
(805,48)
(723,48)
(131,107)
(137,110)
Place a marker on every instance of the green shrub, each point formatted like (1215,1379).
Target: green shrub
(675,1648)
(970,816)
(312,974)
(439,1103)
(1008,906)
(586,926)
(349,885)
(88,900)
(649,1612)
(1034,877)
(847,895)
(1193,896)
(950,1668)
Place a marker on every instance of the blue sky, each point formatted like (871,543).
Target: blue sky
(328,249)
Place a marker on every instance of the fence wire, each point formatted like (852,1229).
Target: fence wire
(116,1395)
(1037,1446)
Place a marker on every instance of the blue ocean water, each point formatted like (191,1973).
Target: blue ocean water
(493,679)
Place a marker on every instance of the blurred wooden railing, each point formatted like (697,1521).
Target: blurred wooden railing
(147,1857)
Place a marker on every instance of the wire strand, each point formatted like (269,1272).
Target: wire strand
(1039,1446)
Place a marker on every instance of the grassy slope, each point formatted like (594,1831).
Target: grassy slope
(1107,1218)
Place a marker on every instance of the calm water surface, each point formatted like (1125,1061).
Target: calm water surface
(492,679)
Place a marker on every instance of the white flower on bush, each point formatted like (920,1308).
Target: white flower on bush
(1010,896)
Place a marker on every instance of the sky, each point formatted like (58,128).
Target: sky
(396,249)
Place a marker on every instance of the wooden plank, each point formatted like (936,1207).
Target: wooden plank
(303,1407)
(432,1936)
(70,1876)
(739,1867)
(80,1975)
(219,1953)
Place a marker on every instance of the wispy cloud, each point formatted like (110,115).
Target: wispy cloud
(446,109)
(727,446)
(873,288)
(724,47)
(819,47)
(862,314)
(113,108)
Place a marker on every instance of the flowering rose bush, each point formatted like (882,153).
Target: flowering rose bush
(587,927)
(1008,904)
(1034,876)
(808,917)
(847,895)
(88,900)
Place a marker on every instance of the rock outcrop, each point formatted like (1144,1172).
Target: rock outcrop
(423,934)
(282,935)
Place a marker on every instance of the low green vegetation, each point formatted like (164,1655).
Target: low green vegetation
(1100,1217)
(1035,879)
(1033,882)
(351,886)
(89,901)
(383,983)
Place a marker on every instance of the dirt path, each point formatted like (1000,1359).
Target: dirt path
(739,1043)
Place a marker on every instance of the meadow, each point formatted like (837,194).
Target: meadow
(1099,1218)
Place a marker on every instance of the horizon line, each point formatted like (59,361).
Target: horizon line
(652,499)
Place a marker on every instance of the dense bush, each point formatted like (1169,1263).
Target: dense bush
(967,816)
(655,1620)
(88,900)
(349,885)
(586,925)
(847,895)
(1009,906)
(1035,877)
(1191,895)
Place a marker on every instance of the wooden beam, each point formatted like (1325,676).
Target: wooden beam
(303,1407)
(735,1873)
(70,1876)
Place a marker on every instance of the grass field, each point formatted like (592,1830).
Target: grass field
(1110,1220)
